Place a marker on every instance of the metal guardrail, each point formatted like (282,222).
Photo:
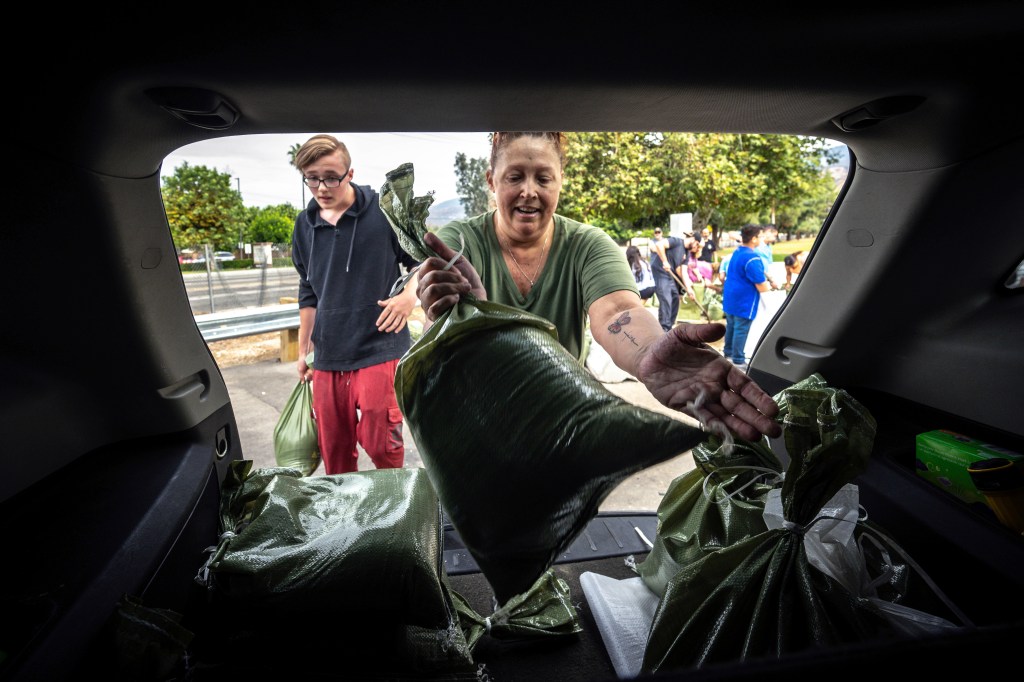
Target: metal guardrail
(233,324)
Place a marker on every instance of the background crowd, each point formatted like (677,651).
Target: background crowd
(729,286)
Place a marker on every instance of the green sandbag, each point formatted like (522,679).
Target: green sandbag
(720,502)
(364,545)
(712,302)
(295,435)
(520,441)
(544,611)
(406,213)
(716,505)
(309,557)
(760,596)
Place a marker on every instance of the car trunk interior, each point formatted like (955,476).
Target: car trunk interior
(119,428)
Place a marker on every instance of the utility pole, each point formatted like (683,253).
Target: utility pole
(241,244)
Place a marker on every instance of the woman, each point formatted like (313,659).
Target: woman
(697,270)
(794,263)
(523,254)
(687,273)
(641,273)
(717,281)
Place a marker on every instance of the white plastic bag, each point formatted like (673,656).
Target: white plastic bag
(768,305)
(623,611)
(833,550)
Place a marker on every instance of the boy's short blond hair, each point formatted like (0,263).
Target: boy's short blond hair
(319,146)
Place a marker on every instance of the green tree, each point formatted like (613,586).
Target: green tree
(272,224)
(807,214)
(471,184)
(785,168)
(626,182)
(701,174)
(612,181)
(203,207)
(727,180)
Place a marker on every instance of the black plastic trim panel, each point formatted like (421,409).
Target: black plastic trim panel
(609,534)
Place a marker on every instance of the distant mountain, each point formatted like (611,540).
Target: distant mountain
(841,154)
(839,167)
(444,212)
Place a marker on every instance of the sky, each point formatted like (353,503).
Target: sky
(259,164)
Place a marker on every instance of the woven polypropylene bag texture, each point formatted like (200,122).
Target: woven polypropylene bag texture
(366,544)
(521,442)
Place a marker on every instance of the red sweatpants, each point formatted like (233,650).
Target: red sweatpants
(377,426)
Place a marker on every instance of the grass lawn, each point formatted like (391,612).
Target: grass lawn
(779,249)
(688,310)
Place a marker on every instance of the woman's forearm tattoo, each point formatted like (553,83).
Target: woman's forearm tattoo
(616,327)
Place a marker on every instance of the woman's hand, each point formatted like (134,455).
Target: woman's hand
(684,373)
(680,369)
(439,289)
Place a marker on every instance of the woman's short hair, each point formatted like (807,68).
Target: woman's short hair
(500,140)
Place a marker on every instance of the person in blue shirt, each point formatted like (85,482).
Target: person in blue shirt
(741,294)
(769,235)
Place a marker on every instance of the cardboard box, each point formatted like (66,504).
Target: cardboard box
(943,457)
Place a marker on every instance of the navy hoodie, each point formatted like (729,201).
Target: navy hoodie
(343,271)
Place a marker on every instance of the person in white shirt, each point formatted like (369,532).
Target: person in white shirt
(641,272)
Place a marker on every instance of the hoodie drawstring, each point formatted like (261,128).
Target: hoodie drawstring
(351,244)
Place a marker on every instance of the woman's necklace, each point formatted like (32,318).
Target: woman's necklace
(532,280)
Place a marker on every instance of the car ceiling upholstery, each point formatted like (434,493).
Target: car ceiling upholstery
(456,67)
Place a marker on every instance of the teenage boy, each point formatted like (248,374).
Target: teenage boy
(348,258)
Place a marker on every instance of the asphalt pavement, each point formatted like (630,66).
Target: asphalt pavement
(259,391)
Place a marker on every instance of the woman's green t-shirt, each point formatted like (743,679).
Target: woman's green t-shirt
(583,265)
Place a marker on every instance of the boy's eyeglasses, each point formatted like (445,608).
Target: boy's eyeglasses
(313,183)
